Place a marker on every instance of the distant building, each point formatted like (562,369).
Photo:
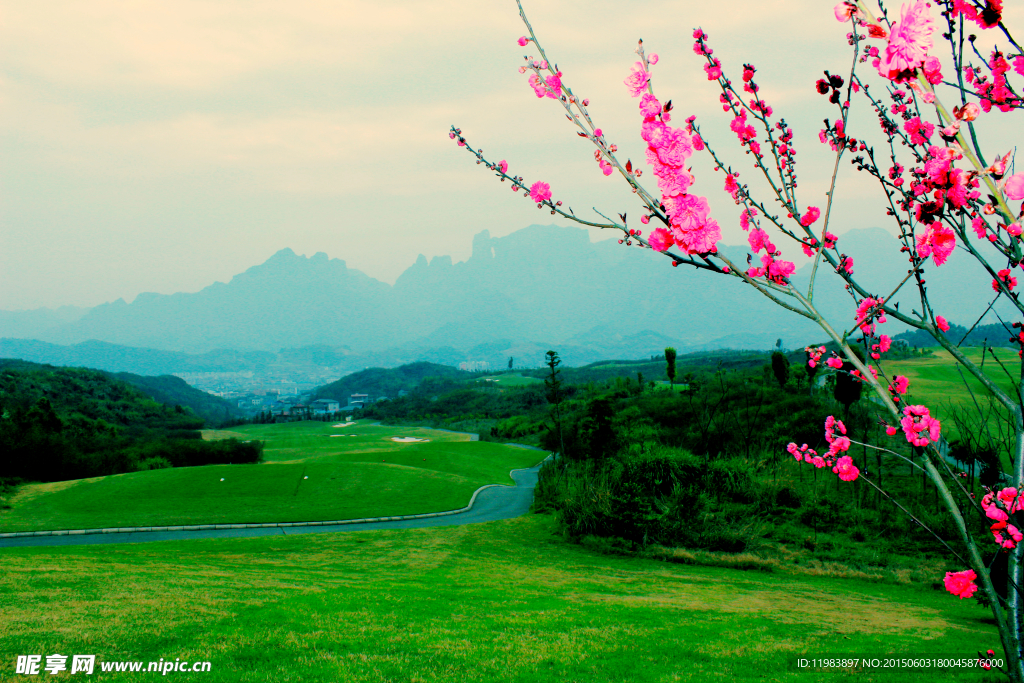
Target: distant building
(325,405)
(474,365)
(356,401)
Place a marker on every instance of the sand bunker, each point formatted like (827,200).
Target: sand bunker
(343,425)
(407,439)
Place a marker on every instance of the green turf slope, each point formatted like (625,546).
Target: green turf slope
(309,475)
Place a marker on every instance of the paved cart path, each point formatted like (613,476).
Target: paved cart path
(489,503)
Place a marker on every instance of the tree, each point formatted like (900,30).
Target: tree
(670,365)
(848,388)
(553,387)
(780,366)
(941,189)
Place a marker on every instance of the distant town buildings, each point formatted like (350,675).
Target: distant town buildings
(474,365)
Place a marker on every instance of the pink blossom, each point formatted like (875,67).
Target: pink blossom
(1004,277)
(523,40)
(941,323)
(810,216)
(649,106)
(900,385)
(992,509)
(1012,538)
(920,131)
(846,469)
(834,362)
(730,185)
(932,68)
(979,226)
(746,217)
(687,212)
(540,192)
(758,238)
(909,42)
(802,452)
(1014,186)
(844,11)
(937,241)
(503,166)
(869,309)
(660,239)
(552,87)
(637,80)
(1011,499)
(919,426)
(778,270)
(884,343)
(653,59)
(961,584)
(703,238)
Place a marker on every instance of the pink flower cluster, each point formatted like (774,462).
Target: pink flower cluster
(776,271)
(841,465)
(998,506)
(919,426)
(1004,279)
(549,87)
(814,355)
(805,454)
(868,311)
(897,388)
(936,240)
(997,91)
(985,16)
(883,345)
(690,225)
(961,584)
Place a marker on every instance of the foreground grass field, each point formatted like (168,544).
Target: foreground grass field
(310,475)
(503,601)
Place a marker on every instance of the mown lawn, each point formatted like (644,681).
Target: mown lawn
(936,383)
(502,601)
(934,380)
(309,476)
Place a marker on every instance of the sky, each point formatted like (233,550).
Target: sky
(159,147)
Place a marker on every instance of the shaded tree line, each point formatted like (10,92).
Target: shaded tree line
(69,423)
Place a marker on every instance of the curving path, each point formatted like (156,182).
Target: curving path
(488,504)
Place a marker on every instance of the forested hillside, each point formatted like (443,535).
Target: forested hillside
(68,423)
(378,382)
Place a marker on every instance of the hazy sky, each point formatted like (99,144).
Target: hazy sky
(163,146)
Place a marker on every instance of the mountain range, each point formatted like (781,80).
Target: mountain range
(540,287)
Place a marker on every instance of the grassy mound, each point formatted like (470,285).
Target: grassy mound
(309,476)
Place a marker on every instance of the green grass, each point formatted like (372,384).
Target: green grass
(936,383)
(309,476)
(509,380)
(503,601)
